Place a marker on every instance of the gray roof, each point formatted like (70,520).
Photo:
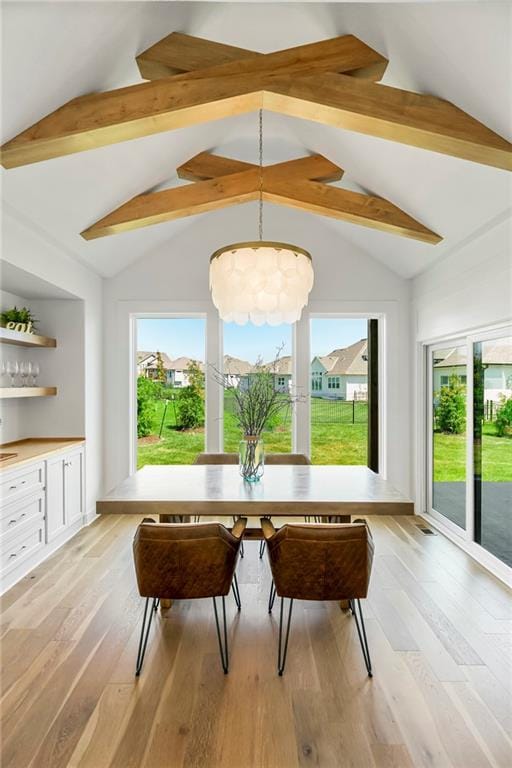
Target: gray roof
(495,352)
(236,367)
(348,361)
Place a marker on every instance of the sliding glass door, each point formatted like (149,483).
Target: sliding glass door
(492,441)
(448,371)
(470,439)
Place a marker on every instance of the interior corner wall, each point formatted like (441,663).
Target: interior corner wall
(36,253)
(12,423)
(347,280)
(469,290)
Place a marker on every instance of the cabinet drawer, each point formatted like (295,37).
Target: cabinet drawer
(21,481)
(14,550)
(21,512)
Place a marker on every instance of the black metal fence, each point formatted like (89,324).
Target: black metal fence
(324,411)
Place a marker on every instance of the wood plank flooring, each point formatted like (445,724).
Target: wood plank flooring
(440,634)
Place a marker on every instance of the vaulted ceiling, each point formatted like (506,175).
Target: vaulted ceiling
(54,52)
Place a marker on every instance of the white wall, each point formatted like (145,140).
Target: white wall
(174,278)
(469,290)
(37,253)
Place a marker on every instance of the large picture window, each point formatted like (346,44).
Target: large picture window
(170,369)
(246,347)
(339,390)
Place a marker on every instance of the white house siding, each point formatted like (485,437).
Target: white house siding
(497,379)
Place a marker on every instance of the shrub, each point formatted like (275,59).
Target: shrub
(504,417)
(190,408)
(451,410)
(147,394)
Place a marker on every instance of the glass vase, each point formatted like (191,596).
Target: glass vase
(251,458)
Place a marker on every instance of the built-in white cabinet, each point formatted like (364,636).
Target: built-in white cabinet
(41,505)
(55,517)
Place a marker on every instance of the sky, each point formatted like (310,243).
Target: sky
(186,337)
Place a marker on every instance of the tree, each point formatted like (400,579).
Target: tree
(161,376)
(451,410)
(504,417)
(190,405)
(147,393)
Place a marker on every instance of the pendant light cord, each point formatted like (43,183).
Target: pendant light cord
(260,216)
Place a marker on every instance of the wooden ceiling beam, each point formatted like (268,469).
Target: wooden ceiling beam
(196,97)
(287,183)
(178,202)
(179,53)
(184,54)
(345,205)
(207,166)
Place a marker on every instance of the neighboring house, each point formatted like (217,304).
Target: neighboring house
(497,362)
(342,374)
(281,370)
(147,365)
(237,371)
(178,371)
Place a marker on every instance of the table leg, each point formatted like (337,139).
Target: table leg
(165,604)
(344,605)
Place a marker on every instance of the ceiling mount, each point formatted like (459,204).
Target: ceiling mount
(220,182)
(329,82)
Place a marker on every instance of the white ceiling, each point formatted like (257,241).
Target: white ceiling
(52,52)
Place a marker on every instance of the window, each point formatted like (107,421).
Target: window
(444,381)
(170,390)
(339,427)
(244,346)
(316,381)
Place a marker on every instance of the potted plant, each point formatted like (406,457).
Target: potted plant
(10,318)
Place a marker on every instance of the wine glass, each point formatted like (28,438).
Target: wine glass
(12,370)
(25,371)
(34,373)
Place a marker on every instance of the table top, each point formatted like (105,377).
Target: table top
(286,490)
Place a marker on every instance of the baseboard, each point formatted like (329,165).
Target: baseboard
(90,516)
(474,550)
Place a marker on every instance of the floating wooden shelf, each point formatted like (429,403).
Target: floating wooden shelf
(20,339)
(27,392)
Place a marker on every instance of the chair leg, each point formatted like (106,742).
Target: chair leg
(236,592)
(263,544)
(242,551)
(144,633)
(361,631)
(223,648)
(272,596)
(282,651)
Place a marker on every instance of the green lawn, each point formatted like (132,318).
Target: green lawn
(331,443)
(450,456)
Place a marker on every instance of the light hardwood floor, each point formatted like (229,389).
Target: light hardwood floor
(439,629)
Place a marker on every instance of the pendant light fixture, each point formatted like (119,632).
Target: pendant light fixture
(260,281)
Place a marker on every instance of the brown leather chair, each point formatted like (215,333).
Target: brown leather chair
(319,562)
(270,459)
(185,561)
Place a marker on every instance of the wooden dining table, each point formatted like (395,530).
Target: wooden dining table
(175,492)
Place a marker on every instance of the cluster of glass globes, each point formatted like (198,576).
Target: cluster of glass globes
(260,282)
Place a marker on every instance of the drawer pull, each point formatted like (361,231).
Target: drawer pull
(15,554)
(16,520)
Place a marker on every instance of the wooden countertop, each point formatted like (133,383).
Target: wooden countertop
(33,448)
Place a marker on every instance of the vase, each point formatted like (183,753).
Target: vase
(252,458)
